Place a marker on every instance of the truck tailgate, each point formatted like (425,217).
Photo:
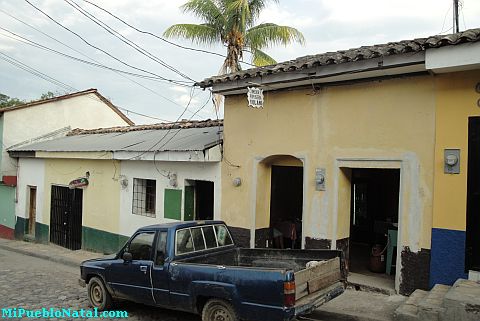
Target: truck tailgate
(320,276)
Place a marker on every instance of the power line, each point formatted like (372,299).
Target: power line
(40,46)
(162,38)
(34,71)
(124,39)
(66,45)
(17,63)
(182,83)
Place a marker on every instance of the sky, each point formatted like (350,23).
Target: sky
(327,26)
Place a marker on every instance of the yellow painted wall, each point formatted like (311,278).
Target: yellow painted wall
(456,101)
(101,199)
(378,119)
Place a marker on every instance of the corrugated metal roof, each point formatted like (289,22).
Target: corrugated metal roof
(351,55)
(180,139)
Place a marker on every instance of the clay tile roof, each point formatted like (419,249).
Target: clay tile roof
(350,55)
(184,124)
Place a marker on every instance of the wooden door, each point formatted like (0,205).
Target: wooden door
(32,210)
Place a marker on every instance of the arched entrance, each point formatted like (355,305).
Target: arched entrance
(279,210)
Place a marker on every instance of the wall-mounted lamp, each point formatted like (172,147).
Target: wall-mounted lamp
(320,179)
(123,181)
(451,159)
(173,180)
(237,181)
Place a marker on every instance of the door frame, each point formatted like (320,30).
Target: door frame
(255,191)
(32,209)
(409,195)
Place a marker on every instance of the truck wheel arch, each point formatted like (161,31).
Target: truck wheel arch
(217,306)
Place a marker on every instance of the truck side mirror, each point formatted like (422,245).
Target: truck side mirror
(127,256)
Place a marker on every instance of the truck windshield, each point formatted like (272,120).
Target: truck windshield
(200,238)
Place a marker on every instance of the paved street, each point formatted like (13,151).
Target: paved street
(33,283)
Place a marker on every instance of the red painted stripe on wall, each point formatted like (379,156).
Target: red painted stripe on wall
(6,232)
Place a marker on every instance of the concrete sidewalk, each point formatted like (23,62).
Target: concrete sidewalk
(351,306)
(359,306)
(49,252)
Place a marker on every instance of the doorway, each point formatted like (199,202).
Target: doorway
(32,210)
(472,259)
(199,200)
(286,206)
(374,221)
(66,217)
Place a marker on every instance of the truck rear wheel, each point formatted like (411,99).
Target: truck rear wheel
(218,310)
(98,295)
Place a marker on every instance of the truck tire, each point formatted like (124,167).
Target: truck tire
(218,310)
(98,295)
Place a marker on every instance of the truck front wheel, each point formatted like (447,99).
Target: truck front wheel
(218,310)
(98,295)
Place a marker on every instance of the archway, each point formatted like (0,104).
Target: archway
(279,208)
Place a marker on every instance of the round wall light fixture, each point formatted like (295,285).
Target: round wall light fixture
(237,181)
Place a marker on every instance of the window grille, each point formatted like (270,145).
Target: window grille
(144,194)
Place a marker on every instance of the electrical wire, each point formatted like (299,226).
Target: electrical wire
(162,38)
(180,83)
(34,71)
(40,46)
(124,39)
(65,86)
(120,73)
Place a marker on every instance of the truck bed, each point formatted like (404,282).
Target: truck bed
(295,260)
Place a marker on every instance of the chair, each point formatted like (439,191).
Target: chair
(392,243)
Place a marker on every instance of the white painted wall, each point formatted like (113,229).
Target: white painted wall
(85,111)
(145,169)
(31,172)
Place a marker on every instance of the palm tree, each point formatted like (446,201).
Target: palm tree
(232,23)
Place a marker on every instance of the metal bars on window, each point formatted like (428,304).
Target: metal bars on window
(144,196)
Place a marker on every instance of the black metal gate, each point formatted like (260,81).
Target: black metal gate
(66,217)
(472,257)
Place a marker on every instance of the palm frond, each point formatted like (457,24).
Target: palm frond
(200,34)
(260,58)
(268,34)
(209,11)
(238,13)
(256,7)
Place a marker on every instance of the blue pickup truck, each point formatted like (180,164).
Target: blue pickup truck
(196,267)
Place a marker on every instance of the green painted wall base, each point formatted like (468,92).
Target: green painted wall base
(101,241)
(42,233)
(20,227)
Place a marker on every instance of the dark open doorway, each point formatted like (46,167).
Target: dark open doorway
(286,206)
(472,257)
(199,200)
(374,220)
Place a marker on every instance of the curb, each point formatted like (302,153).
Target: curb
(60,260)
(339,316)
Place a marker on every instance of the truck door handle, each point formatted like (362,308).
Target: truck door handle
(143,268)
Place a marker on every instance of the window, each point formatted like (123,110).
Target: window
(141,246)
(184,241)
(144,192)
(201,238)
(161,248)
(198,241)
(223,237)
(210,239)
